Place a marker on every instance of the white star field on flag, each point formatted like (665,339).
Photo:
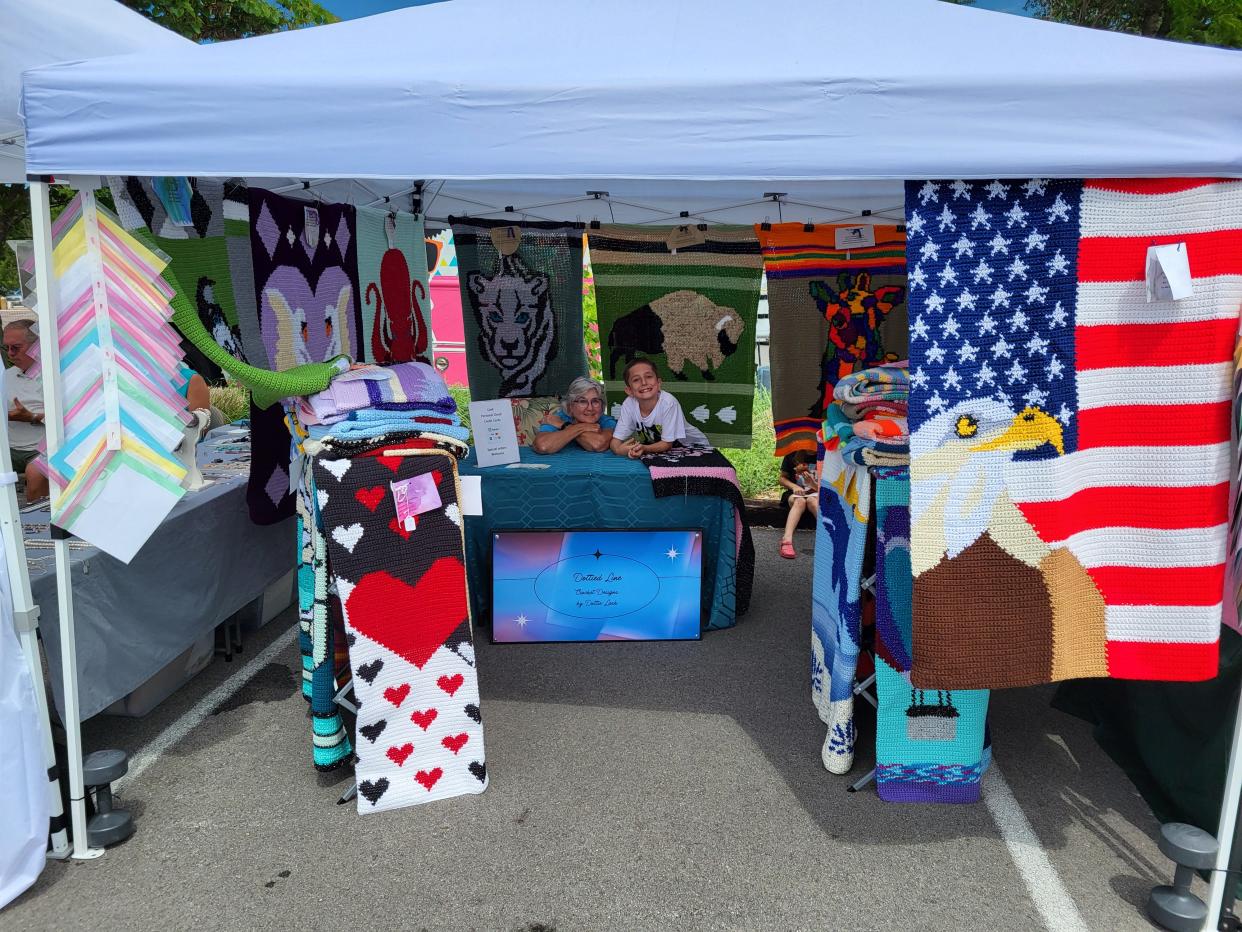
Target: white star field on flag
(991,278)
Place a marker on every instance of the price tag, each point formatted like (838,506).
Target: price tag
(683,236)
(855,237)
(311,230)
(1168,273)
(506,239)
(414,496)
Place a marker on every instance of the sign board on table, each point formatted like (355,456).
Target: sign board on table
(495,437)
(596,585)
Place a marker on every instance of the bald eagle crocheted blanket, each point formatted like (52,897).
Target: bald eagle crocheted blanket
(1060,530)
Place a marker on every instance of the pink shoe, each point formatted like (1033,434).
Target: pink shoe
(787,550)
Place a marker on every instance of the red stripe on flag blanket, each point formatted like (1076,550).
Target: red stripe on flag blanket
(1178,585)
(1124,258)
(1157,507)
(1154,425)
(1183,344)
(1150,185)
(1141,660)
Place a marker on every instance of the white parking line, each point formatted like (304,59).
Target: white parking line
(1043,883)
(195,715)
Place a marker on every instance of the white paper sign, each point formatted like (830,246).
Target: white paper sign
(495,437)
(855,237)
(472,495)
(1168,273)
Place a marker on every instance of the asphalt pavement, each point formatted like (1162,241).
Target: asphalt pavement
(633,786)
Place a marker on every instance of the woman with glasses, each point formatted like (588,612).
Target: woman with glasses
(581,419)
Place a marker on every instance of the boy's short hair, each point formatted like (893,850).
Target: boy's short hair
(641,361)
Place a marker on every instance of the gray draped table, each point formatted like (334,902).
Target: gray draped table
(203,564)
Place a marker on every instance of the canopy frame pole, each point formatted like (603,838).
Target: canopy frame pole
(49,355)
(1228,823)
(26,616)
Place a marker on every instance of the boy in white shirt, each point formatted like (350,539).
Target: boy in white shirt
(650,420)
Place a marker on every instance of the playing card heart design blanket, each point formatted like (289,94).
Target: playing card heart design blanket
(402,585)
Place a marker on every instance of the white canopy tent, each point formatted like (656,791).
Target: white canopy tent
(40,32)
(703,106)
(538,103)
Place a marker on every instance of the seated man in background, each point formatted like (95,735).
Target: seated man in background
(24,396)
(580,419)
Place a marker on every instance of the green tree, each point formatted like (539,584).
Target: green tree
(1210,22)
(219,20)
(200,20)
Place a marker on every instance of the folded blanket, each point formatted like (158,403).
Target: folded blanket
(884,428)
(375,428)
(870,407)
(701,471)
(868,456)
(400,386)
(891,381)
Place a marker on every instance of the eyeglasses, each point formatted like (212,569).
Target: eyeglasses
(588,402)
(14,347)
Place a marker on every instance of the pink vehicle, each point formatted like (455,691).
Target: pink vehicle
(447,329)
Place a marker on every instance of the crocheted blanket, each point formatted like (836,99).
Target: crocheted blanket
(203,228)
(305,278)
(832,311)
(398,387)
(1057,533)
(402,585)
(695,471)
(691,312)
(522,310)
(393,283)
(836,612)
(321,638)
(889,382)
(929,745)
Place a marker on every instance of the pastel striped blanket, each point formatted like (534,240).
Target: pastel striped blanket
(403,386)
(369,423)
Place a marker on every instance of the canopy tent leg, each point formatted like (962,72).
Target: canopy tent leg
(1228,822)
(49,357)
(26,614)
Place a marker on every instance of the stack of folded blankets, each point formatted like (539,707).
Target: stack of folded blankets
(375,401)
(867,419)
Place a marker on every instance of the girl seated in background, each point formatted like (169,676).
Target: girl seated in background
(801,494)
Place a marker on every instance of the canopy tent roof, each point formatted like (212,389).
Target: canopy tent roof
(679,103)
(40,32)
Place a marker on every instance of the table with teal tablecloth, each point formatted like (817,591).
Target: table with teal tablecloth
(575,489)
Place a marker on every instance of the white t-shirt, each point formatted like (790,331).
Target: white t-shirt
(665,422)
(19,386)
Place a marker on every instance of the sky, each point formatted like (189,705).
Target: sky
(351,9)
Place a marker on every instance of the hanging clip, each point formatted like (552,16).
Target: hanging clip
(775,197)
